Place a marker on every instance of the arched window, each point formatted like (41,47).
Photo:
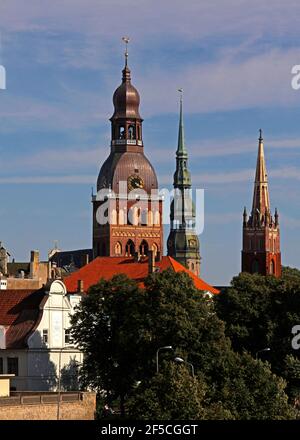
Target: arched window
(274,245)
(133,216)
(103,250)
(138,216)
(154,248)
(272,268)
(118,248)
(144,217)
(113,217)
(129,249)
(131,132)
(270,244)
(150,218)
(156,218)
(144,247)
(192,267)
(255,266)
(121,217)
(121,132)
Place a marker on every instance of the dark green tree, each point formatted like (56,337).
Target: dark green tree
(120,327)
(108,327)
(260,312)
(251,391)
(172,394)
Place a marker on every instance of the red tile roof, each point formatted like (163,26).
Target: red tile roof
(20,312)
(106,267)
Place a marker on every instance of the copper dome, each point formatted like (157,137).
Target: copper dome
(126,98)
(119,166)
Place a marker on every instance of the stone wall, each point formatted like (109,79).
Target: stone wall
(44,406)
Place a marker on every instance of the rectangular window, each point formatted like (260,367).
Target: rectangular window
(45,336)
(1,365)
(13,366)
(68,338)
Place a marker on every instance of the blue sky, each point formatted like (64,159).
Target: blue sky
(63,60)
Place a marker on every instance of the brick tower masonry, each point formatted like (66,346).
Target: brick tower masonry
(261,234)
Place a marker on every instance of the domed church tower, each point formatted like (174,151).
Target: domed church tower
(183,242)
(127,220)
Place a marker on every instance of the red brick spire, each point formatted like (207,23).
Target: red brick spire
(261,199)
(261,234)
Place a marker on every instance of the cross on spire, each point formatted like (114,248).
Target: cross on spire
(126,41)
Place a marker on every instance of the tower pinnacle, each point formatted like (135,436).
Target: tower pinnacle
(181,150)
(261,199)
(182,177)
(126,41)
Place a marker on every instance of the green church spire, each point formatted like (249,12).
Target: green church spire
(181,150)
(183,242)
(182,177)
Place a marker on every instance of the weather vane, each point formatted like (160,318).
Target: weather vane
(181,93)
(126,41)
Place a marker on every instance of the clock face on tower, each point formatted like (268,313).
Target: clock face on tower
(135,182)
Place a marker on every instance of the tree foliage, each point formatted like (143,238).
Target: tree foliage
(172,394)
(120,327)
(260,312)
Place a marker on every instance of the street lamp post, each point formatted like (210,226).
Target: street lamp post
(167,347)
(262,351)
(179,360)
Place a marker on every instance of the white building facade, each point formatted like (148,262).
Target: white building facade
(49,358)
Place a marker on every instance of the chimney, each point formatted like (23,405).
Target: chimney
(84,260)
(151,262)
(34,264)
(3,259)
(80,288)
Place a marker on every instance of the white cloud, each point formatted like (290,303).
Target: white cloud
(75,179)
(288,172)
(191,19)
(223,218)
(227,147)
(262,80)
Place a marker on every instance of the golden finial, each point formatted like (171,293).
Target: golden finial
(126,41)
